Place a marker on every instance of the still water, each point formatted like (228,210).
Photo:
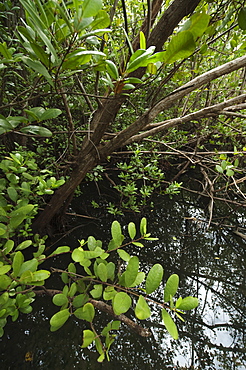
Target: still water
(211,264)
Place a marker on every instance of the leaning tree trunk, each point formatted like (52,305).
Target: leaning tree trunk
(91,154)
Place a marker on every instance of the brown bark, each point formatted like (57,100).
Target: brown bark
(91,153)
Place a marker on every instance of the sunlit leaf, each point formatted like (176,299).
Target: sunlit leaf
(169,324)
(187,303)
(112,69)
(87,312)
(181,46)
(96,292)
(60,299)
(142,310)
(131,271)
(91,8)
(116,233)
(171,287)
(121,303)
(17,262)
(154,278)
(60,250)
(132,230)
(102,272)
(59,319)
(123,255)
(143,226)
(88,338)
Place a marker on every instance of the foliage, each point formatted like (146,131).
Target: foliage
(91,274)
(21,187)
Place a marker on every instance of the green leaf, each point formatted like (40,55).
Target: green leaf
(4,269)
(12,193)
(169,324)
(102,20)
(73,289)
(132,230)
(91,8)
(96,292)
(219,168)
(78,255)
(60,250)
(26,277)
(154,278)
(197,24)
(123,255)
(109,293)
(121,303)
(18,216)
(80,300)
(242,19)
(131,271)
(39,68)
(50,114)
(59,319)
(87,312)
(8,246)
(88,338)
(143,226)
(24,245)
(5,281)
(116,233)
(111,271)
(187,303)
(171,287)
(142,310)
(112,69)
(102,272)
(36,130)
(17,262)
(138,244)
(113,325)
(142,40)
(139,58)
(30,265)
(92,243)
(41,275)
(181,46)
(139,279)
(59,299)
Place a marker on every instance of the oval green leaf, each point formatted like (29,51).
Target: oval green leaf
(142,310)
(59,299)
(154,278)
(17,262)
(132,230)
(121,303)
(116,233)
(171,287)
(59,319)
(131,271)
(187,303)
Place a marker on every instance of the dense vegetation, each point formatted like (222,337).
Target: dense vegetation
(87,86)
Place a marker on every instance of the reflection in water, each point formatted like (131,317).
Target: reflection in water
(211,265)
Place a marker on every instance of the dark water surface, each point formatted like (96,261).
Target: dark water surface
(211,266)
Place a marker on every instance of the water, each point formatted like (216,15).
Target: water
(211,265)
